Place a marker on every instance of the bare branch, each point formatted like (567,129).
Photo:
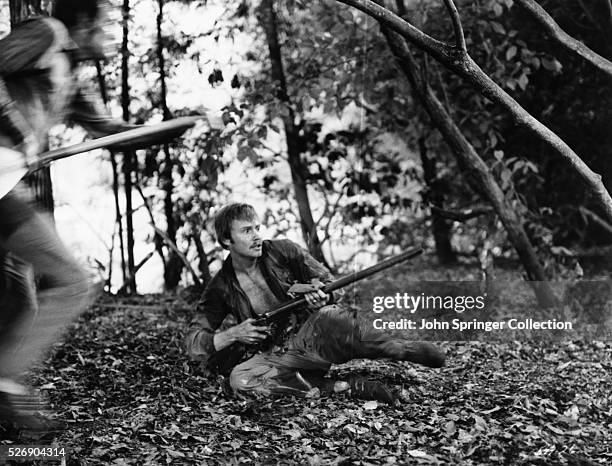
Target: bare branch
(595,218)
(438,49)
(464,215)
(564,39)
(132,276)
(463,65)
(458,28)
(173,246)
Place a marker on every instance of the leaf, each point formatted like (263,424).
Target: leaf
(245,151)
(450,428)
(523,81)
(293,433)
(552,64)
(370,405)
(175,454)
(498,28)
(554,429)
(506,176)
(422,455)
(511,52)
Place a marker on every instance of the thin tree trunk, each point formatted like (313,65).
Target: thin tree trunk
(463,150)
(440,228)
(113,160)
(128,156)
(173,265)
(456,58)
(298,169)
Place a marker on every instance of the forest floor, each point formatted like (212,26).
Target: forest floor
(122,382)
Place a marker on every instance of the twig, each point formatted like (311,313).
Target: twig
(173,246)
(458,28)
(596,218)
(134,271)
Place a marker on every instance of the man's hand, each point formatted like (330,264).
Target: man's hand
(315,297)
(30,148)
(249,333)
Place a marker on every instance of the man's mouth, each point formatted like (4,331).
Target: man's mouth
(256,246)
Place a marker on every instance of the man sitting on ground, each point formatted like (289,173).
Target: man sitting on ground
(255,278)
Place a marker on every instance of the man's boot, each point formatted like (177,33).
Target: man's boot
(26,412)
(364,389)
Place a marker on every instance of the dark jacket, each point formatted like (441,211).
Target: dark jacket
(282,264)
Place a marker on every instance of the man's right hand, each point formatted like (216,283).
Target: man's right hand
(30,148)
(248,332)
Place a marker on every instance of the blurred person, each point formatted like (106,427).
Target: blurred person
(39,62)
(256,277)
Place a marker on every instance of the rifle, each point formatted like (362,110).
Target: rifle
(227,358)
(12,163)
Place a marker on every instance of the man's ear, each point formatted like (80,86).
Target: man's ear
(226,242)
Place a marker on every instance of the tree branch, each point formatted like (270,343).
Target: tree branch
(438,49)
(173,246)
(132,276)
(463,65)
(464,215)
(564,39)
(595,218)
(458,28)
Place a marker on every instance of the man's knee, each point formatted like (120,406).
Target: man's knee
(243,383)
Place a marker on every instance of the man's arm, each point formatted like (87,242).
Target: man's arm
(310,270)
(202,341)
(88,111)
(20,53)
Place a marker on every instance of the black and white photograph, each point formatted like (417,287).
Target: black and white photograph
(314,232)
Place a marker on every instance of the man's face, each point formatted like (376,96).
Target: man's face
(246,240)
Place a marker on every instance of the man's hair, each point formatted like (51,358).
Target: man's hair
(70,12)
(226,216)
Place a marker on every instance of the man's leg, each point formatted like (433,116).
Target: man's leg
(31,238)
(335,334)
(267,374)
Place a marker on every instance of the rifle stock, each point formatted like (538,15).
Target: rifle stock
(227,358)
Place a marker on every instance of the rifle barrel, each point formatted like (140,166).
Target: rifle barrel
(346,280)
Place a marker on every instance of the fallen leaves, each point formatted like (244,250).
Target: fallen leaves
(122,380)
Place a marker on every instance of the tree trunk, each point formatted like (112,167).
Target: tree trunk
(440,228)
(298,169)
(39,182)
(463,150)
(113,159)
(128,156)
(174,265)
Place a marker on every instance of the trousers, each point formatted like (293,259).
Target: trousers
(28,323)
(333,335)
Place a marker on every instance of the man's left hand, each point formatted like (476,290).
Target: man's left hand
(316,299)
